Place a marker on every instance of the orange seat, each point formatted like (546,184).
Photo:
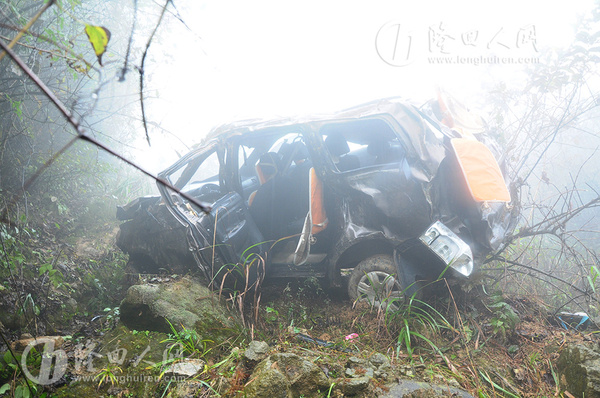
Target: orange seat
(267,160)
(317,210)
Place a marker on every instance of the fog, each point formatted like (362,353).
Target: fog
(234,60)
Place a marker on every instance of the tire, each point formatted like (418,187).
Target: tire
(375,280)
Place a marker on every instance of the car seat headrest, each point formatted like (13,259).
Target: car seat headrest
(337,145)
(269,163)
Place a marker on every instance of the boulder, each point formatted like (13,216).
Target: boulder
(184,303)
(286,375)
(579,368)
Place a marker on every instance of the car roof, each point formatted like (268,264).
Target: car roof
(396,107)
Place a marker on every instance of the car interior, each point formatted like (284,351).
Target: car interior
(278,181)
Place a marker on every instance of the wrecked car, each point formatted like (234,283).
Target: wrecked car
(386,192)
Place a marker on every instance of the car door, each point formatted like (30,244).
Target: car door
(371,171)
(222,236)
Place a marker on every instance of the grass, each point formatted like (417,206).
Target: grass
(188,341)
(108,374)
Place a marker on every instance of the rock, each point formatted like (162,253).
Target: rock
(184,303)
(579,367)
(256,351)
(418,389)
(360,372)
(354,362)
(286,375)
(382,365)
(186,367)
(268,382)
(72,304)
(21,344)
(355,385)
(378,360)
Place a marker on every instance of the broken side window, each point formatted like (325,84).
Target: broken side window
(362,143)
(200,177)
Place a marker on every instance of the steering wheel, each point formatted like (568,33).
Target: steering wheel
(210,189)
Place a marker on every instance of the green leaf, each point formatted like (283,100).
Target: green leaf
(5,388)
(591,282)
(99,38)
(21,392)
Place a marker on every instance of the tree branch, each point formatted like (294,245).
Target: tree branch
(141,69)
(80,135)
(27,26)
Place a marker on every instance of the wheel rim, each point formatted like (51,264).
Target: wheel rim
(380,289)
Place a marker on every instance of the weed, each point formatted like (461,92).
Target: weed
(415,317)
(53,275)
(29,302)
(504,317)
(247,276)
(107,374)
(188,341)
(11,372)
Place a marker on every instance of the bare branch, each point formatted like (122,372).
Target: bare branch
(141,69)
(80,135)
(27,26)
(54,43)
(548,275)
(133,25)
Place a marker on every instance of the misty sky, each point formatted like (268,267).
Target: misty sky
(263,59)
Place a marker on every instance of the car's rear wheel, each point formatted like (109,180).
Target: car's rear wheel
(375,280)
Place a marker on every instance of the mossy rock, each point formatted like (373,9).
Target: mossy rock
(138,356)
(286,375)
(579,366)
(182,303)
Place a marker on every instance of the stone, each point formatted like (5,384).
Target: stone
(286,375)
(186,367)
(418,389)
(182,303)
(382,365)
(360,372)
(256,351)
(355,385)
(21,344)
(379,360)
(579,367)
(268,382)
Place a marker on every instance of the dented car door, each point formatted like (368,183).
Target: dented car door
(218,238)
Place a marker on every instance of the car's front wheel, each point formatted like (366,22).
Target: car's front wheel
(375,280)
